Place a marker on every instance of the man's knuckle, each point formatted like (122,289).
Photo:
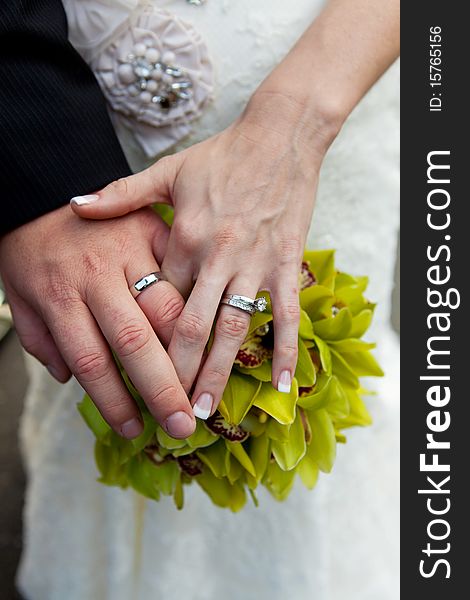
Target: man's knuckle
(115,410)
(90,366)
(169,309)
(131,338)
(94,265)
(164,395)
(32,343)
(191,328)
(60,294)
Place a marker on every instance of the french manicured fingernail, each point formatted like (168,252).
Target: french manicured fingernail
(132,428)
(284,382)
(203,406)
(179,425)
(54,372)
(82,200)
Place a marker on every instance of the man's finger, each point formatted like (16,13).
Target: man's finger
(148,365)
(161,302)
(36,339)
(90,360)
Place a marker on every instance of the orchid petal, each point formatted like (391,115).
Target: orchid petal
(279,405)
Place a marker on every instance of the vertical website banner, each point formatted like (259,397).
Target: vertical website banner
(435,328)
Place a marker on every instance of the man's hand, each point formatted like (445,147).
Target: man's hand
(67,282)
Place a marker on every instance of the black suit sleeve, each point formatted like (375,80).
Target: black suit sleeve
(56,138)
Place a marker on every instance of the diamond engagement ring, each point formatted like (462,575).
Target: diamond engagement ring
(244,303)
(146,281)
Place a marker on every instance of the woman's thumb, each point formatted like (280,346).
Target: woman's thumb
(151,186)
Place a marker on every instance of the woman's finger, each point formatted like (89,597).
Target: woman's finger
(193,328)
(178,264)
(36,339)
(140,352)
(230,331)
(153,185)
(159,240)
(286,315)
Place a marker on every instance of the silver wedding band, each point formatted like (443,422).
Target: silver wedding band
(146,281)
(244,303)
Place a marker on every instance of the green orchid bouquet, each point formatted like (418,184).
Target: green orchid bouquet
(259,436)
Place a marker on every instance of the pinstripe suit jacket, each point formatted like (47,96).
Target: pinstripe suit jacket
(56,138)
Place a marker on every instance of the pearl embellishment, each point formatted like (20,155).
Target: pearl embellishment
(140,49)
(152,55)
(126,73)
(168,57)
(154,80)
(156,75)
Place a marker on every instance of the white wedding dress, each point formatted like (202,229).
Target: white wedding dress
(84,541)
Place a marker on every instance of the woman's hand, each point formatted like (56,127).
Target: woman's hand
(243,199)
(68,283)
(243,204)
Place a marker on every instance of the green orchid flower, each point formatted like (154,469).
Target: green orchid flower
(259,436)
